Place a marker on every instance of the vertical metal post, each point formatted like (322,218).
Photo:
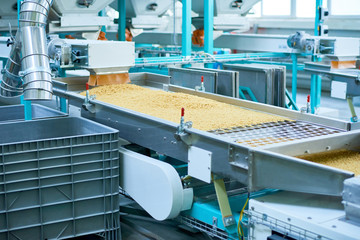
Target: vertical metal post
(294,77)
(186,28)
(209,27)
(315,91)
(27,104)
(319,4)
(101,14)
(122,20)
(63,102)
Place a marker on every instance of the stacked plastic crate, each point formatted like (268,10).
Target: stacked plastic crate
(58,179)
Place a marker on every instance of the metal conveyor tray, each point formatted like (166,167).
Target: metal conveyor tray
(238,161)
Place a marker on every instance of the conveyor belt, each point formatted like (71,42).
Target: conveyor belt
(275,132)
(258,168)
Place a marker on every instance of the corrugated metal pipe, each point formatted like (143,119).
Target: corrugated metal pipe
(29,54)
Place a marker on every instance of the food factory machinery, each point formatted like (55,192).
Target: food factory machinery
(259,157)
(144,14)
(204,178)
(228,14)
(65,16)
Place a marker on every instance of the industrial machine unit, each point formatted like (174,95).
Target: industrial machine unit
(202,179)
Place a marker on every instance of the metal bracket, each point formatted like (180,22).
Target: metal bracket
(10,41)
(214,223)
(228,221)
(181,135)
(223,201)
(87,105)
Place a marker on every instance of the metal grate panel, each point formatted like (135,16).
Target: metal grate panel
(274,132)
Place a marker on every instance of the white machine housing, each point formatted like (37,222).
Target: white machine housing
(300,216)
(229,14)
(98,57)
(145,14)
(69,16)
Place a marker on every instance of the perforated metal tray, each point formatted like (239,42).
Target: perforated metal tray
(231,159)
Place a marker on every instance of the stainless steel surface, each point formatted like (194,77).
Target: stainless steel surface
(150,80)
(11,84)
(273,170)
(267,82)
(256,167)
(275,132)
(350,76)
(191,78)
(227,82)
(223,82)
(34,13)
(30,42)
(351,199)
(35,64)
(265,162)
(35,61)
(344,140)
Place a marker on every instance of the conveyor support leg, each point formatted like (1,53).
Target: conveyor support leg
(223,200)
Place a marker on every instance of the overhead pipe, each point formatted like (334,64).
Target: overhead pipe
(35,68)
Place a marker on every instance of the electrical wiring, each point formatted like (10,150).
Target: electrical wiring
(239,228)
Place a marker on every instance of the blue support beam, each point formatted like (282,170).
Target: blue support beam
(299,67)
(319,4)
(315,91)
(101,14)
(209,28)
(238,57)
(122,20)
(208,211)
(186,28)
(27,104)
(294,76)
(27,108)
(63,101)
(63,105)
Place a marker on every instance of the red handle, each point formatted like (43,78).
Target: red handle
(87,86)
(308,98)
(182,112)
(202,78)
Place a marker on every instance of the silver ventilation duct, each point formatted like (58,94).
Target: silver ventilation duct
(34,62)
(11,84)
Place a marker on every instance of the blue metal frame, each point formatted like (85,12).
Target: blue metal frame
(186,28)
(63,101)
(162,71)
(122,20)
(27,104)
(248,91)
(27,108)
(291,103)
(102,13)
(206,211)
(294,76)
(209,28)
(315,91)
(238,57)
(299,66)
